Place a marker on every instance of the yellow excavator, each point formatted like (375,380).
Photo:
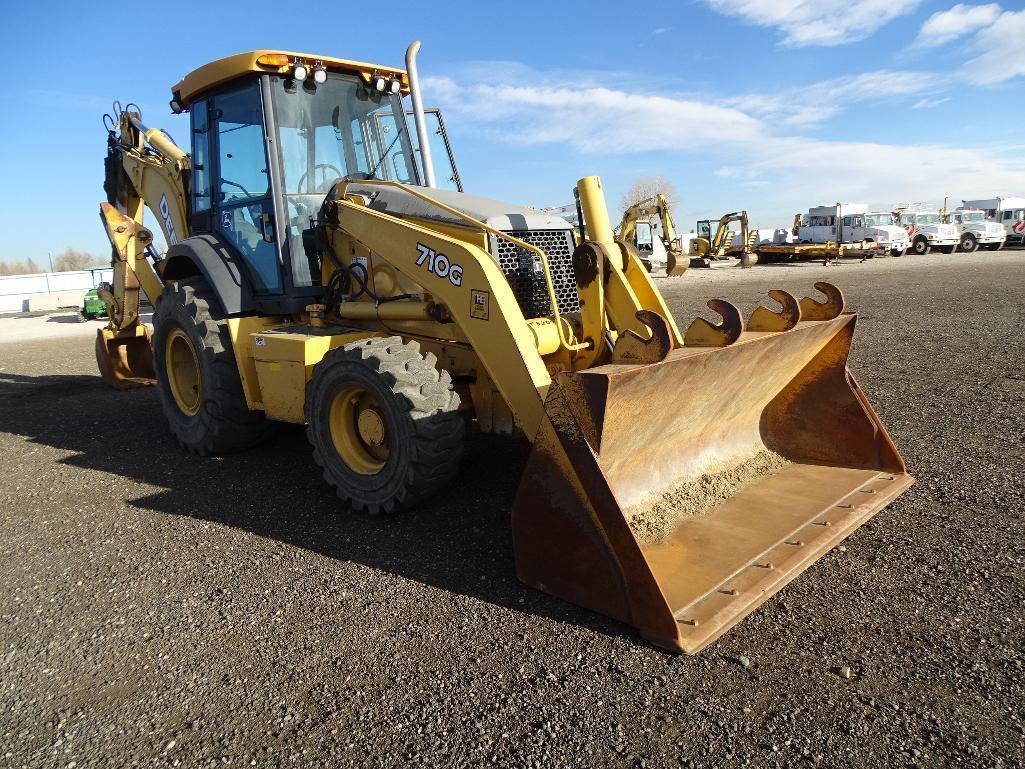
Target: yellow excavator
(635,229)
(721,244)
(316,274)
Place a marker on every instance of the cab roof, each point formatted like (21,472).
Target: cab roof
(224,70)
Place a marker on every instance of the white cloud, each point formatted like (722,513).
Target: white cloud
(929,103)
(961,20)
(817,22)
(815,103)
(999,51)
(592,119)
(762,157)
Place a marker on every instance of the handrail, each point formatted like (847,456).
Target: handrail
(498,233)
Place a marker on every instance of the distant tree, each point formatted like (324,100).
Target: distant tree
(31,268)
(647,186)
(72,259)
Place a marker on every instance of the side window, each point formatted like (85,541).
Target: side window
(1008,215)
(200,157)
(245,211)
(847,221)
(645,244)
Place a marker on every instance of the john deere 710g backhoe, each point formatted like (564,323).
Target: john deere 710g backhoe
(315,274)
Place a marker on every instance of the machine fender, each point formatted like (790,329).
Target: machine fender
(211,257)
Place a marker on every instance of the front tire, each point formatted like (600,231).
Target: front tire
(197,377)
(384,424)
(969,243)
(920,246)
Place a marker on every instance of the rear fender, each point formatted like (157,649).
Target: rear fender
(210,257)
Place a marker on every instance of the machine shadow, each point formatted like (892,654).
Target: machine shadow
(459,541)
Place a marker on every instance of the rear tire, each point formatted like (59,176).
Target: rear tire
(384,424)
(204,405)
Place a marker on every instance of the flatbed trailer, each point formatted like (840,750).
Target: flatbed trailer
(798,252)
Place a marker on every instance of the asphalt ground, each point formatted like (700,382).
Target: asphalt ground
(160,609)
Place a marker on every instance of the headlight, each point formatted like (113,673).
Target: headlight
(300,72)
(319,73)
(929,235)
(394,85)
(379,83)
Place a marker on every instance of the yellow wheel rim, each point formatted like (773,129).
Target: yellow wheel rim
(182,366)
(359,431)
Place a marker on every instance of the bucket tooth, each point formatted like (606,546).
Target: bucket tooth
(764,319)
(631,348)
(702,333)
(812,309)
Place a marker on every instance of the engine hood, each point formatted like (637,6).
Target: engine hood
(494,213)
(892,232)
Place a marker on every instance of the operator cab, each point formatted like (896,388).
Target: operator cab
(272,133)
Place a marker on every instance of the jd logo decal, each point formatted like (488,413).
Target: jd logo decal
(165,214)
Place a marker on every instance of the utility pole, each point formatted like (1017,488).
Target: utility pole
(50,257)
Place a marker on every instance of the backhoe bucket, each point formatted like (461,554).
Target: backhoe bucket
(678,496)
(125,358)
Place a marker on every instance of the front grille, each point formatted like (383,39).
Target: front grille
(527,279)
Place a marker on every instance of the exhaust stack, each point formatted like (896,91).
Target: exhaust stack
(418,114)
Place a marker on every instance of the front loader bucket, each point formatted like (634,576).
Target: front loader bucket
(125,358)
(678,496)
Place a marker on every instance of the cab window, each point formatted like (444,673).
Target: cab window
(242,186)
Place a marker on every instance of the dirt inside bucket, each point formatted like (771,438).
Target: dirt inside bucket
(654,520)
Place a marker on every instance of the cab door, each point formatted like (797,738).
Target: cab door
(243,206)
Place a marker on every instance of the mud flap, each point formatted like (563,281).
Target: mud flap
(617,437)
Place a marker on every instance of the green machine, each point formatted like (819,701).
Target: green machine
(92,306)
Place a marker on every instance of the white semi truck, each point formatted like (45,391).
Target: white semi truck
(927,231)
(976,230)
(854,223)
(1008,212)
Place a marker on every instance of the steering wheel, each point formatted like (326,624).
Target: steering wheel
(229,182)
(321,187)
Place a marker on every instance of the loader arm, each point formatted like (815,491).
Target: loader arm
(502,340)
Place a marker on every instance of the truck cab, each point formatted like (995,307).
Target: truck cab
(1009,213)
(927,231)
(853,223)
(976,230)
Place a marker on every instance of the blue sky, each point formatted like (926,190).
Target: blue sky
(769,106)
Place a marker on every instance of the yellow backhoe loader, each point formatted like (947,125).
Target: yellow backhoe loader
(315,274)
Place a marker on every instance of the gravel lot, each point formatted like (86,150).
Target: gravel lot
(158,609)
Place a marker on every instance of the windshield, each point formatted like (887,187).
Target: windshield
(878,220)
(927,218)
(329,131)
(972,216)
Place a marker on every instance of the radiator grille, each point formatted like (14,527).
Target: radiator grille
(528,280)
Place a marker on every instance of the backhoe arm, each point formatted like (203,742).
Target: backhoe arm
(143,168)
(657,205)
